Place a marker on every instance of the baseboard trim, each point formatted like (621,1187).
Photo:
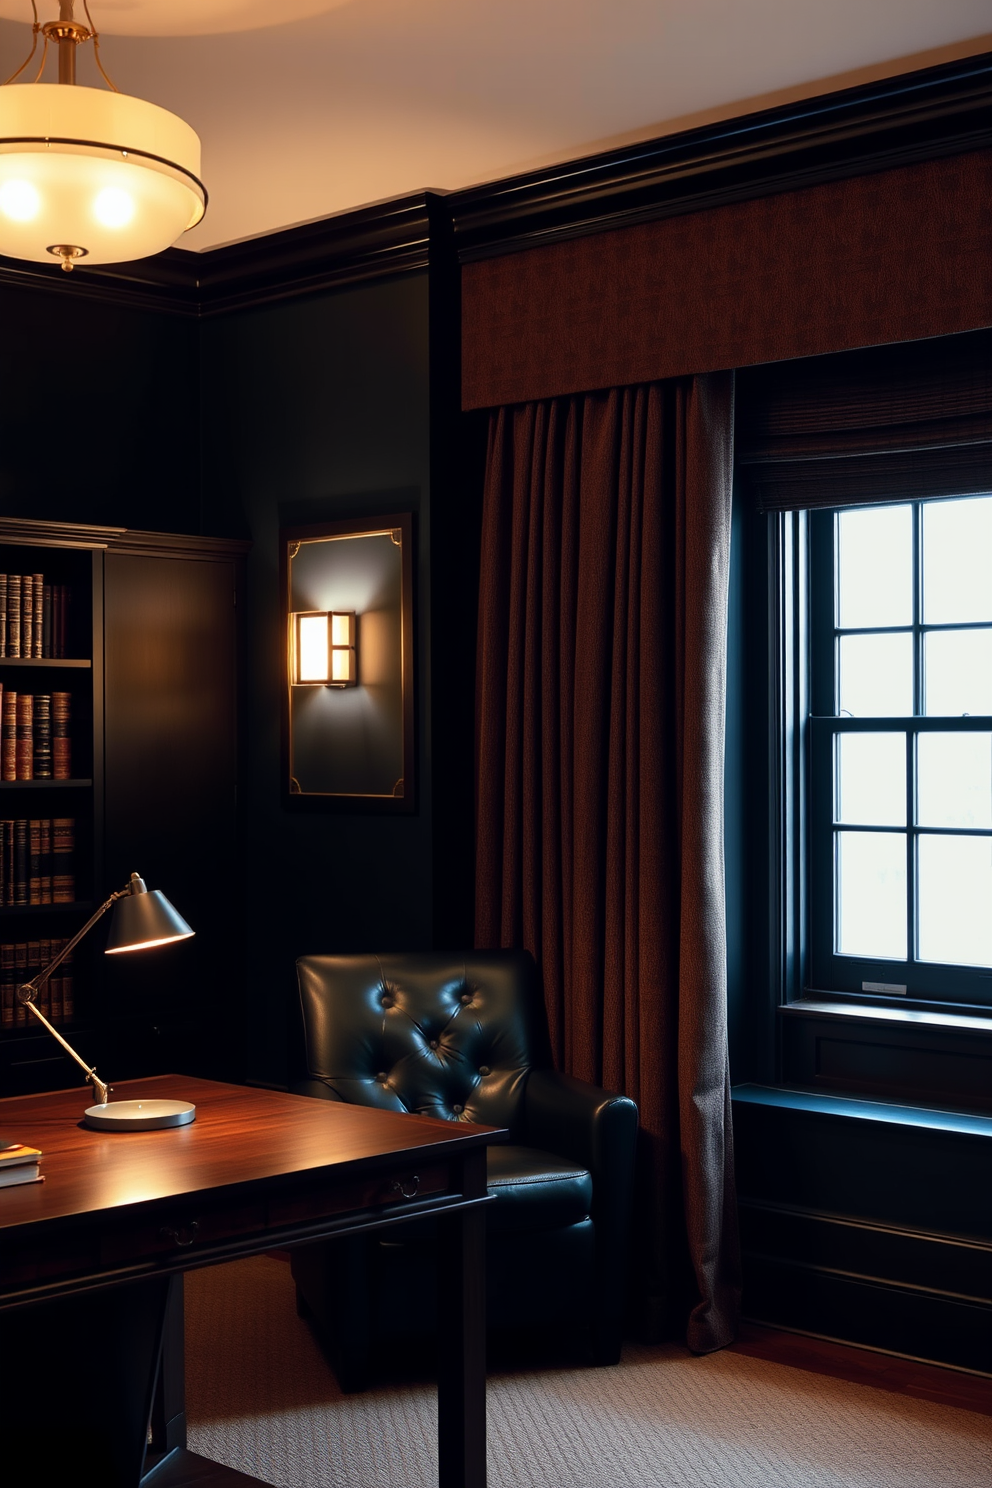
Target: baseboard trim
(882,1369)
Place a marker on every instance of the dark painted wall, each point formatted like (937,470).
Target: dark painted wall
(99,415)
(319,408)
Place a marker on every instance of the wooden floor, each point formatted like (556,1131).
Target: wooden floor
(865,1367)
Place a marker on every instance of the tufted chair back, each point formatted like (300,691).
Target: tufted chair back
(426,1033)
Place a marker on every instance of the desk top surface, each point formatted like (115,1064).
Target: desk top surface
(240,1136)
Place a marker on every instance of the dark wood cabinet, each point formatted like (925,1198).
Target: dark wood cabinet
(154,683)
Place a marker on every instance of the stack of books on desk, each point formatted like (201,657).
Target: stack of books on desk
(18,1164)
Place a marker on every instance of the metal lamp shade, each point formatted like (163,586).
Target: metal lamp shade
(144,919)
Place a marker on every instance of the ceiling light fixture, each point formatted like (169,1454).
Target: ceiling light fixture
(89,174)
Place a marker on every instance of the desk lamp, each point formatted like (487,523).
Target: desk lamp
(142,919)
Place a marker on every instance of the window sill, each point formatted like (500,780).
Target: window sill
(850,1108)
(859,1012)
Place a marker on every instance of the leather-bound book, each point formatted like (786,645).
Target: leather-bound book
(37,643)
(21,862)
(61,743)
(14,615)
(46,620)
(21,1014)
(63,619)
(7,998)
(3,614)
(34,861)
(25,735)
(8,737)
(43,736)
(68,990)
(55,982)
(63,852)
(47,860)
(34,966)
(27,614)
(8,864)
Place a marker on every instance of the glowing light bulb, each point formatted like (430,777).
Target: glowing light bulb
(19,201)
(113,207)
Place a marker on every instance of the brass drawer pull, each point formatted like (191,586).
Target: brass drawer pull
(189,1231)
(397,1187)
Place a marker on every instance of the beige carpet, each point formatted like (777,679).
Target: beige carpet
(260,1398)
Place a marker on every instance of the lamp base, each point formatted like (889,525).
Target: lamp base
(134,1115)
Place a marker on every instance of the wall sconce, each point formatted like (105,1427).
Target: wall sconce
(324,649)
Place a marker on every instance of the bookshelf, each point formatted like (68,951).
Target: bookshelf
(151,642)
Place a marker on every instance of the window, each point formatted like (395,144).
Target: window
(898,784)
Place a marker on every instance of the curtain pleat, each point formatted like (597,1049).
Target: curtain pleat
(602,652)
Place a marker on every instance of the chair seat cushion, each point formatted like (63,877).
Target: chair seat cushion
(535,1190)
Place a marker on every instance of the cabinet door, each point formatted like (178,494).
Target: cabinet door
(170,754)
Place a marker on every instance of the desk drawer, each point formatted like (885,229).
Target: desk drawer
(182,1227)
(323,1201)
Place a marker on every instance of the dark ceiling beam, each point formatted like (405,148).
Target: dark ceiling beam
(918,116)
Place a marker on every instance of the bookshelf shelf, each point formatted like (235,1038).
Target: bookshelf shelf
(12,785)
(60,662)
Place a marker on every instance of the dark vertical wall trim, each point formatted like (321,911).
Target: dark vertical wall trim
(458,445)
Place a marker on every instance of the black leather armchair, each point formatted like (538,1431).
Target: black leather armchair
(466,1040)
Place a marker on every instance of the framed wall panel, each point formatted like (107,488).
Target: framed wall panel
(348,711)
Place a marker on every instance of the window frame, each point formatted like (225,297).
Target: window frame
(825,971)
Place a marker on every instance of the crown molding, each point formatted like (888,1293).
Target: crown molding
(57,534)
(943,110)
(917,116)
(387,238)
(384,239)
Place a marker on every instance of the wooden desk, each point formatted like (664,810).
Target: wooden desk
(91,1261)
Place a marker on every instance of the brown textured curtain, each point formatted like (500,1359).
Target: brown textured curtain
(602,649)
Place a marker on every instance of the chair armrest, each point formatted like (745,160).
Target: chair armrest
(314,1087)
(579,1121)
(585,1124)
(598,1129)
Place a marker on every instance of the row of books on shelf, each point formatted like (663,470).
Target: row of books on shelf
(33,616)
(37,861)
(34,735)
(19,962)
(19,1164)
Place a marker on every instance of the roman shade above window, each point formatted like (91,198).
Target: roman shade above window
(885,424)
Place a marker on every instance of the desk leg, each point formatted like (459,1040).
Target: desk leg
(461,1391)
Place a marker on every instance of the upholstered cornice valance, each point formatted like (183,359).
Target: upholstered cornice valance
(897,255)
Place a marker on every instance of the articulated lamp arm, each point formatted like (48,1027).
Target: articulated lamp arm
(27,994)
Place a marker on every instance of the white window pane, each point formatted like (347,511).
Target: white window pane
(875,567)
(954,780)
(871,897)
(876,676)
(871,779)
(956,900)
(957,561)
(957,672)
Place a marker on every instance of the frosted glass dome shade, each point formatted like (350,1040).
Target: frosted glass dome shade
(93,170)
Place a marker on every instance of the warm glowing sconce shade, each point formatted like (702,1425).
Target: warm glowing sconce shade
(323,649)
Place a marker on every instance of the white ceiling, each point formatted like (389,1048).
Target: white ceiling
(352,101)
